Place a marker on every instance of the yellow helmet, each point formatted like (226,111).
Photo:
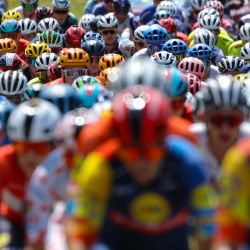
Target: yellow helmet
(7,45)
(110,61)
(241,77)
(11,14)
(34,50)
(74,57)
(107,76)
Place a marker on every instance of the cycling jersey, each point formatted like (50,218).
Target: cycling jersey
(89,6)
(100,9)
(34,81)
(155,215)
(234,49)
(21,46)
(130,22)
(54,82)
(70,20)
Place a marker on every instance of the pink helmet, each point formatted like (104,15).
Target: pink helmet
(215,4)
(194,83)
(192,65)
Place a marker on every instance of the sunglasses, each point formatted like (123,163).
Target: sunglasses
(177,104)
(75,72)
(29,6)
(9,35)
(23,148)
(106,32)
(63,12)
(32,61)
(231,120)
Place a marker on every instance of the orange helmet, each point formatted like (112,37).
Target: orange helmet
(110,61)
(7,45)
(74,57)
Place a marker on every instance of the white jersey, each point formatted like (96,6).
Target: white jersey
(141,53)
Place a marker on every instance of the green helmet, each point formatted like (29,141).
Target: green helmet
(52,38)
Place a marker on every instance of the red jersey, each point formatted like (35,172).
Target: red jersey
(21,48)
(12,185)
(54,82)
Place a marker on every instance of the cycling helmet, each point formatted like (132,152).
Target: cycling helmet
(204,36)
(74,35)
(164,58)
(11,14)
(7,45)
(33,50)
(194,83)
(169,7)
(61,4)
(29,2)
(10,61)
(217,5)
(137,106)
(33,121)
(10,26)
(176,82)
(200,50)
(85,21)
(198,4)
(141,72)
(121,6)
(107,22)
(221,92)
(209,12)
(55,70)
(45,60)
(94,48)
(110,60)
(245,52)
(155,34)
(74,57)
(43,12)
(244,32)
(12,83)
(138,33)
(192,65)
(51,38)
(241,78)
(90,35)
(175,46)
(28,26)
(6,107)
(82,80)
(93,23)
(89,94)
(32,91)
(63,96)
(169,25)
(212,22)
(160,14)
(230,63)
(48,23)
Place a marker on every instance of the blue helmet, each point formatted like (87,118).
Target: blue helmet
(10,26)
(63,96)
(6,107)
(175,46)
(94,47)
(200,50)
(90,93)
(93,36)
(176,82)
(155,34)
(161,14)
(121,6)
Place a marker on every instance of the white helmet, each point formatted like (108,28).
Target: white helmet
(138,33)
(168,6)
(245,52)
(208,12)
(109,21)
(12,82)
(204,36)
(45,60)
(34,121)
(230,63)
(28,26)
(198,4)
(48,23)
(164,58)
(245,32)
(86,20)
(210,22)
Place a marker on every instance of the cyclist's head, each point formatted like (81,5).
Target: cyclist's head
(29,7)
(28,28)
(230,65)
(60,10)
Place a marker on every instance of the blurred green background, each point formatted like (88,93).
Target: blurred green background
(76,5)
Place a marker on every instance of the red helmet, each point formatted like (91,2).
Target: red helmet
(55,71)
(168,24)
(74,35)
(140,115)
(194,83)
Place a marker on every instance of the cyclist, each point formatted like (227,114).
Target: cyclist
(103,8)
(62,15)
(28,8)
(230,65)
(28,29)
(11,61)
(73,36)
(31,144)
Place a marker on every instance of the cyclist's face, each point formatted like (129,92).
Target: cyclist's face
(60,16)
(109,36)
(93,67)
(28,12)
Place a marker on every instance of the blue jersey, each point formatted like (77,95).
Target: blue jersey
(100,9)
